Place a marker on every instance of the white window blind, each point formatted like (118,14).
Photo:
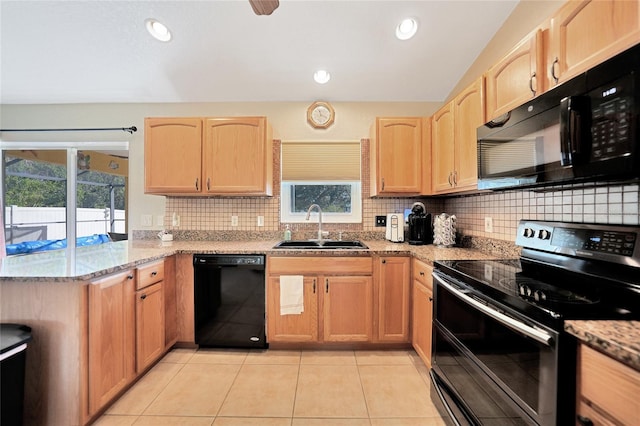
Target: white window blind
(321,161)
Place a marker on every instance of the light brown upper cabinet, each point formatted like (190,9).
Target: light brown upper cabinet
(210,156)
(172,155)
(396,156)
(518,77)
(586,32)
(454,141)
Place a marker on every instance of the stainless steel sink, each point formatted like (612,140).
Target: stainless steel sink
(324,244)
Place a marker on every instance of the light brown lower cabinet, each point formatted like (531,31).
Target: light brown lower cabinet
(170,302)
(392,287)
(607,390)
(338,300)
(111,337)
(422,310)
(150,339)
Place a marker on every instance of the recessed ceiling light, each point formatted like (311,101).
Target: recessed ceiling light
(406,29)
(321,76)
(158,30)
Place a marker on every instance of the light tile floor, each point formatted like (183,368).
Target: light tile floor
(281,388)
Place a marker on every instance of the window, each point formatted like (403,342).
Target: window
(53,191)
(323,173)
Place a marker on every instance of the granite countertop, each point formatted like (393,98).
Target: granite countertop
(94,261)
(618,339)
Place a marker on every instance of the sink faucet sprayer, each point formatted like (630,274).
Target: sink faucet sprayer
(319,218)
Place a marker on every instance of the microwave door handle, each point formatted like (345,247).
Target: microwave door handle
(574,111)
(519,326)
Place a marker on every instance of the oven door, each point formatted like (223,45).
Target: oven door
(495,366)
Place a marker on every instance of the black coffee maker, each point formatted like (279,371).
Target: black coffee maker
(420,225)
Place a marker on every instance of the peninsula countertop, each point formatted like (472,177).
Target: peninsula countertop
(94,261)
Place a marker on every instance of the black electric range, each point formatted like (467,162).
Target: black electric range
(500,323)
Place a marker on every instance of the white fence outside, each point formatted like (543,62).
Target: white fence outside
(49,223)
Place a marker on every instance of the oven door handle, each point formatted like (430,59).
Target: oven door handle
(534,333)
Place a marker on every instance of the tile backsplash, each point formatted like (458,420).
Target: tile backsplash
(607,204)
(611,204)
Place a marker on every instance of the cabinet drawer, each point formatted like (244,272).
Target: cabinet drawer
(609,385)
(321,265)
(149,274)
(422,273)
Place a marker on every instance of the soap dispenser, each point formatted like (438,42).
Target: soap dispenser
(287,234)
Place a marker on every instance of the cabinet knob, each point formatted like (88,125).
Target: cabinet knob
(129,277)
(422,273)
(430,299)
(154,273)
(144,296)
(197,189)
(384,260)
(584,421)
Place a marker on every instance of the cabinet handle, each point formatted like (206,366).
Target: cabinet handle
(327,285)
(314,286)
(154,273)
(382,184)
(584,421)
(553,70)
(533,91)
(449,179)
(197,189)
(130,277)
(422,273)
(384,260)
(430,299)
(208,184)
(455,178)
(144,296)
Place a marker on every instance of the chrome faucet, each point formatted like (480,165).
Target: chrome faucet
(319,219)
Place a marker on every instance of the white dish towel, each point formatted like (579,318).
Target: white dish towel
(291,295)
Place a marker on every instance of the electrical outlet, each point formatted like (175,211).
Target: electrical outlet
(260,220)
(381,221)
(234,220)
(146,220)
(488,224)
(175,219)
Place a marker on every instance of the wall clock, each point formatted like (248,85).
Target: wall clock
(320,115)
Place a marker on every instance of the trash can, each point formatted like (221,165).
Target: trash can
(13,345)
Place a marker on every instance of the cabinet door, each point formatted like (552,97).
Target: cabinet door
(585,33)
(516,78)
(422,319)
(348,309)
(111,337)
(149,325)
(469,115)
(393,284)
(398,150)
(237,156)
(443,150)
(293,328)
(172,155)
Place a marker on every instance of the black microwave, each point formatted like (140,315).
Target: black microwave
(586,129)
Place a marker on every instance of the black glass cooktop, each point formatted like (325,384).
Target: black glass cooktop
(544,292)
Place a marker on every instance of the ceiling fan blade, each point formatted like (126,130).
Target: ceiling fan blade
(264,7)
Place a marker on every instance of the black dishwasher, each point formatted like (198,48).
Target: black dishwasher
(229,299)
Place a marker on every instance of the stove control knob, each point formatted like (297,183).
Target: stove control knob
(544,234)
(525,290)
(528,233)
(539,295)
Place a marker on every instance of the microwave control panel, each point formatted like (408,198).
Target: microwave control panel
(612,122)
